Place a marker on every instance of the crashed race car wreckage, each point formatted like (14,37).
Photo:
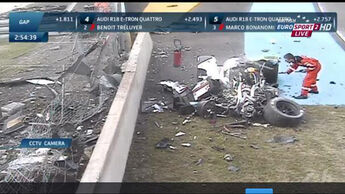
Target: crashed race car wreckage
(238,88)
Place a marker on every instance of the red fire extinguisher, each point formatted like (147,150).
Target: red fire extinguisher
(177,53)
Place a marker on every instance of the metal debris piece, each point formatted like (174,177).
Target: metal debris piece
(186,121)
(89,132)
(219,149)
(199,162)
(187,48)
(13,123)
(179,88)
(234,134)
(55,48)
(40,81)
(260,125)
(164,143)
(254,146)
(107,83)
(161,53)
(265,50)
(282,139)
(186,144)
(71,165)
(235,126)
(233,168)
(174,123)
(172,147)
(228,157)
(91,139)
(89,7)
(157,124)
(297,41)
(160,33)
(243,122)
(180,134)
(332,82)
(152,106)
(12,108)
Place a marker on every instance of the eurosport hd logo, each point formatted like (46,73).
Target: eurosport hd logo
(305,30)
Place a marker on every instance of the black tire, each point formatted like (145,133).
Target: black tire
(215,87)
(271,76)
(283,112)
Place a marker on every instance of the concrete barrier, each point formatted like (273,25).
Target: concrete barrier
(109,157)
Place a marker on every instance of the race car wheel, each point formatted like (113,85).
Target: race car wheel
(283,112)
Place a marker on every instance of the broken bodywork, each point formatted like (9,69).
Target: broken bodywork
(239,87)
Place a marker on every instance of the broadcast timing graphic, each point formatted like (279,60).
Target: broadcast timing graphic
(35,26)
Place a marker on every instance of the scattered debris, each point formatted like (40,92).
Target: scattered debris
(179,134)
(164,143)
(186,144)
(228,157)
(282,139)
(233,168)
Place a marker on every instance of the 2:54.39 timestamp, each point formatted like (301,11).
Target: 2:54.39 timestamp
(28,37)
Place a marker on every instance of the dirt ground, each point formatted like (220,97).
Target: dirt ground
(317,156)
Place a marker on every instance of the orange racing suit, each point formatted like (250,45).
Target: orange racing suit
(313,67)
